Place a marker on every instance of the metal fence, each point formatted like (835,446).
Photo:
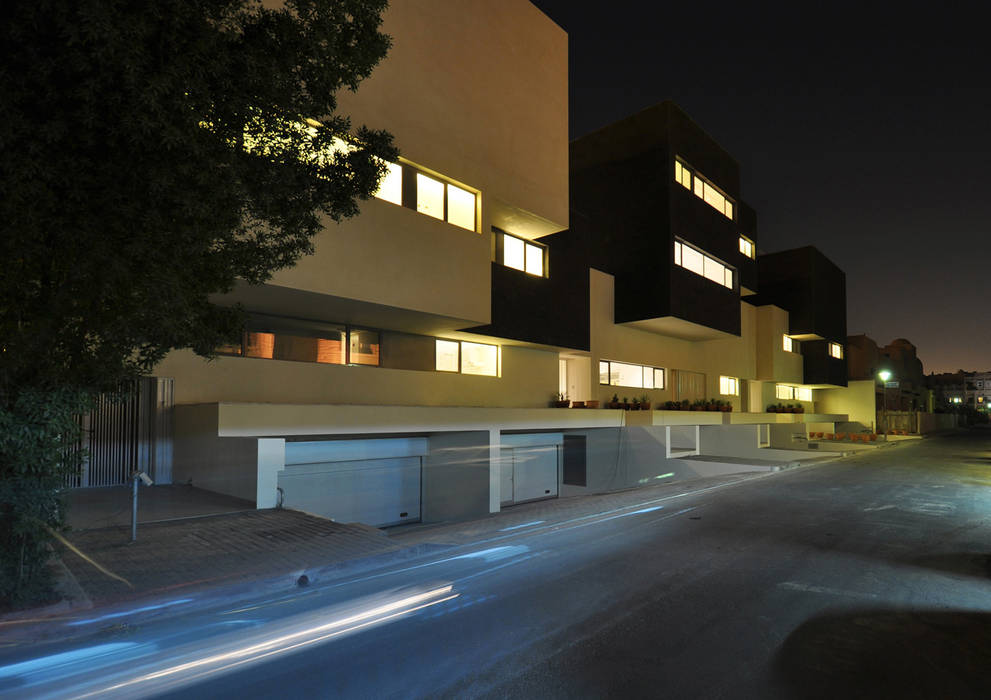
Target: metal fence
(127,432)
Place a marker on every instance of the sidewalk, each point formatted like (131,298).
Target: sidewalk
(179,565)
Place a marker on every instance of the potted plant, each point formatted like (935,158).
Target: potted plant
(626,403)
(645,403)
(578,404)
(727,407)
(614,401)
(685,405)
(781,408)
(771,408)
(560,400)
(594,403)
(801,409)
(635,404)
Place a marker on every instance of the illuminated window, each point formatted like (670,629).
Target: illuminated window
(391,187)
(788,343)
(682,175)
(534,260)
(701,264)
(783,391)
(836,350)
(746,246)
(460,207)
(729,386)
(363,347)
(703,189)
(477,358)
(513,253)
(429,196)
(328,348)
(626,374)
(803,393)
(448,356)
(522,255)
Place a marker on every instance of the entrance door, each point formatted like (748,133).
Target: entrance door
(690,385)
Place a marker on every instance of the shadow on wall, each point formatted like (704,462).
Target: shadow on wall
(889,654)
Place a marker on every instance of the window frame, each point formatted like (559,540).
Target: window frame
(643,368)
(727,381)
(838,354)
(729,273)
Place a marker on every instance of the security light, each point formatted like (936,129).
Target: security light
(884,375)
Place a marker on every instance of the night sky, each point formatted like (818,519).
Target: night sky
(866,134)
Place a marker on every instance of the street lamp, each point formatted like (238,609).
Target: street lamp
(884,375)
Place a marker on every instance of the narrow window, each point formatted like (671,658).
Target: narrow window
(534,260)
(658,378)
(460,207)
(603,372)
(746,246)
(429,196)
(803,393)
(513,253)
(836,350)
(785,392)
(788,343)
(391,187)
(729,386)
(363,347)
(448,359)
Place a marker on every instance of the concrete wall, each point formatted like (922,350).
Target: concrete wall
(529,378)
(477,91)
(774,363)
(732,356)
(856,400)
(225,465)
(456,477)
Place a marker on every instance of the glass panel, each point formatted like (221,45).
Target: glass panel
(691,259)
(513,253)
(658,378)
(429,196)
(300,348)
(699,188)
(714,199)
(622,374)
(836,351)
(677,253)
(787,343)
(259,345)
(713,270)
(783,391)
(330,351)
(728,211)
(803,393)
(391,187)
(728,278)
(534,260)
(447,356)
(728,386)
(603,372)
(479,359)
(460,207)
(363,347)
(648,378)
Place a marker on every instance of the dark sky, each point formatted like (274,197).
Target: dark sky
(866,133)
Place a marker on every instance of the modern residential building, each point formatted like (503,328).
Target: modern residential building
(961,388)
(405,371)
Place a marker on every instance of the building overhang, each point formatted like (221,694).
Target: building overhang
(678,328)
(805,336)
(521,222)
(295,303)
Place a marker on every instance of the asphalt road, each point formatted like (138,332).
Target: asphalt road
(865,577)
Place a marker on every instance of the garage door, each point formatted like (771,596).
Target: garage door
(375,481)
(529,466)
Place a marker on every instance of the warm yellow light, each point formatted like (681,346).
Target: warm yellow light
(429,196)
(513,254)
(447,356)
(477,358)
(534,260)
(788,343)
(729,386)
(391,187)
(460,207)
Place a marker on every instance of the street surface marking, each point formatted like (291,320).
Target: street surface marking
(869,508)
(795,586)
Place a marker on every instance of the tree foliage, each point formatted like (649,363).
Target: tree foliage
(153,154)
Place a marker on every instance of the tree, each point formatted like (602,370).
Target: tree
(153,154)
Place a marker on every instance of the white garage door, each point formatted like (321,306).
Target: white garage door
(376,481)
(529,466)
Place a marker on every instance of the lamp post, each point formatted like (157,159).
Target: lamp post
(884,375)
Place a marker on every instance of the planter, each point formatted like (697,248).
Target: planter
(645,406)
(591,404)
(726,409)
(615,404)
(578,404)
(561,404)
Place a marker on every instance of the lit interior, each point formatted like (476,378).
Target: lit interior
(513,253)
(746,247)
(447,356)
(534,260)
(479,359)
(429,196)
(803,393)
(460,207)
(363,347)
(701,264)
(788,344)
(785,392)
(703,190)
(630,375)
(729,386)
(836,350)
(391,187)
